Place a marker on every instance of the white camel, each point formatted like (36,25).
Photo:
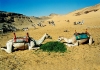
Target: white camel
(30,44)
(77,39)
(79,22)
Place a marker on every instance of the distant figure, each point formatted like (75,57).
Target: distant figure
(40,24)
(49,22)
(82,22)
(68,21)
(74,23)
(52,23)
(34,26)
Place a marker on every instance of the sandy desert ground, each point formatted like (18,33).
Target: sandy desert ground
(82,57)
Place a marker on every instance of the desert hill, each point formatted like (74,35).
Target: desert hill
(19,19)
(88,10)
(23,20)
(82,57)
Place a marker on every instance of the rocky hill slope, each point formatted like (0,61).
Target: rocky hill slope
(19,19)
(87,10)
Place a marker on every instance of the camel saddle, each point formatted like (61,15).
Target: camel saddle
(80,36)
(21,39)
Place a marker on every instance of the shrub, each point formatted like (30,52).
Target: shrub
(53,46)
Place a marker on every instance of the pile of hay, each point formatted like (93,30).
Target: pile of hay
(53,46)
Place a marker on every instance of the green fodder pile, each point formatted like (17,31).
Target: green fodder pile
(54,46)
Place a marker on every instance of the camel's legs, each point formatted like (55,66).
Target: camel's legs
(90,40)
(9,47)
(32,46)
(71,45)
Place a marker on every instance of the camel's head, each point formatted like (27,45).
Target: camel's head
(48,36)
(60,38)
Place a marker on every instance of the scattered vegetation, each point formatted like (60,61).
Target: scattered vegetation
(53,46)
(86,12)
(77,14)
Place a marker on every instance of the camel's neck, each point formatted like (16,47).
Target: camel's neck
(65,39)
(68,40)
(38,42)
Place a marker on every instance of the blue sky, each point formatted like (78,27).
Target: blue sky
(44,7)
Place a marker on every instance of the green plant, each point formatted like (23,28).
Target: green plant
(53,46)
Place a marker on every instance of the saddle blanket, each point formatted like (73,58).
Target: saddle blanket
(21,40)
(81,36)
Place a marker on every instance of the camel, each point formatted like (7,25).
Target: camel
(25,43)
(79,22)
(25,29)
(51,22)
(77,39)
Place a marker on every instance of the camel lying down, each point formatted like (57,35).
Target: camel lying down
(77,39)
(22,43)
